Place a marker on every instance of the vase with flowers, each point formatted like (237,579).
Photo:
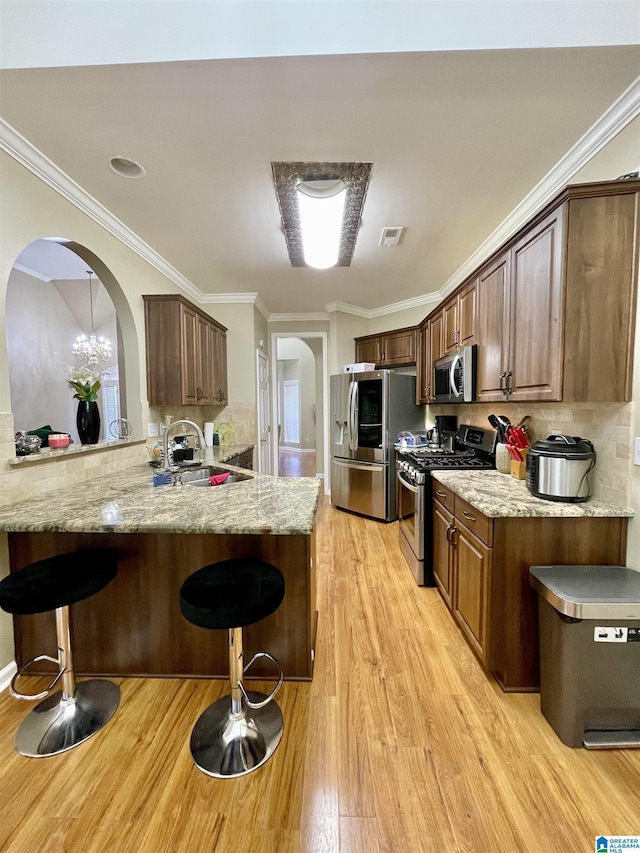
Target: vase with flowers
(85,382)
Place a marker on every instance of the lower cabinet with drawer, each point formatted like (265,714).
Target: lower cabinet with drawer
(462,567)
(481,567)
(242,460)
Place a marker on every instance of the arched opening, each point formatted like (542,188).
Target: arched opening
(300,357)
(48,305)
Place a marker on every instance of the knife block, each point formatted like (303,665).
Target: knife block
(519,469)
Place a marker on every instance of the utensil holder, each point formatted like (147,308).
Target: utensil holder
(503,460)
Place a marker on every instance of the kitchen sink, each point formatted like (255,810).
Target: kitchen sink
(200,476)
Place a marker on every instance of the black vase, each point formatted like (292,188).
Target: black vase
(88,422)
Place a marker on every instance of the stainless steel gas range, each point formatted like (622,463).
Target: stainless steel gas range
(474,448)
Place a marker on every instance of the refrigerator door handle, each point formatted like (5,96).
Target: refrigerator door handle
(354,417)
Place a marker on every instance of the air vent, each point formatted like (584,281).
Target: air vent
(391,236)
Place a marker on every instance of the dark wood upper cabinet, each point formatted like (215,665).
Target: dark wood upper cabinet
(388,349)
(554,310)
(493,296)
(601,273)
(423,363)
(520,319)
(459,318)
(186,354)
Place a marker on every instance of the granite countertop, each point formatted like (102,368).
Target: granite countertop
(503,496)
(128,502)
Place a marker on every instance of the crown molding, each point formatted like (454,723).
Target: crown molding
(345,308)
(318,317)
(14,144)
(406,304)
(621,113)
(236,299)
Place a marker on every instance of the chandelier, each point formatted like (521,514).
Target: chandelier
(91,349)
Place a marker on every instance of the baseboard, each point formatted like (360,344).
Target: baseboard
(7,674)
(290,449)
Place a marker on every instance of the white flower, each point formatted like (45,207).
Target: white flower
(82,374)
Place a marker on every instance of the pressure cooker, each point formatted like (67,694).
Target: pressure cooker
(558,468)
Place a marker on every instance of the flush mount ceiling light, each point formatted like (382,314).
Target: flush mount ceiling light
(320,205)
(91,349)
(126,168)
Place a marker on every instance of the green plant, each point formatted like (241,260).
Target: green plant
(85,382)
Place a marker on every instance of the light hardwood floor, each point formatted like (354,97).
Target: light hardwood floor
(293,463)
(401,743)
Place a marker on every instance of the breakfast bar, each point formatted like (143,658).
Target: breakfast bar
(161,535)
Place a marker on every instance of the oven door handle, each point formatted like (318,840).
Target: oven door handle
(406,485)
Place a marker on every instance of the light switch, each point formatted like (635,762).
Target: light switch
(152,430)
(636,451)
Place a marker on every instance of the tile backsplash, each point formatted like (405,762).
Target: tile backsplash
(241,415)
(608,425)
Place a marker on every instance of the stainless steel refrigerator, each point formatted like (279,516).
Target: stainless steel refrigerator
(368,410)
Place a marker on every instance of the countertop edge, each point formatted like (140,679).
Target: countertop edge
(485,491)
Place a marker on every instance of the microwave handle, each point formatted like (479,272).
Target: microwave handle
(452,383)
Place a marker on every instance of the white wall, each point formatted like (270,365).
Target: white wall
(40,333)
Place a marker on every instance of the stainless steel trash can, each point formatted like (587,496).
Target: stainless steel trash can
(589,620)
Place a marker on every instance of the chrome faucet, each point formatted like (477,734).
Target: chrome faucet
(168,463)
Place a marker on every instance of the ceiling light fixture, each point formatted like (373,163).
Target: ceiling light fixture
(321,206)
(337,187)
(91,349)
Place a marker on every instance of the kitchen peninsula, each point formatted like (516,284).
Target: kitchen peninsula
(161,535)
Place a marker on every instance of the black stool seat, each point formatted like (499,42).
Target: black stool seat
(240,731)
(57,581)
(67,718)
(232,593)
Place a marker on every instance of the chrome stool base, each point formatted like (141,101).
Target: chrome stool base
(226,745)
(58,724)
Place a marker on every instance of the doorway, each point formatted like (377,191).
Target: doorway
(299,390)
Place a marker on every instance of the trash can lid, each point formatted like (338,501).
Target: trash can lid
(589,592)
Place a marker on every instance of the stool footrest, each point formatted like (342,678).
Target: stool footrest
(32,697)
(256,705)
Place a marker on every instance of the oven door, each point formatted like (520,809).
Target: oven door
(411,508)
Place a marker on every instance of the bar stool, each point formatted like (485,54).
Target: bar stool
(239,732)
(67,718)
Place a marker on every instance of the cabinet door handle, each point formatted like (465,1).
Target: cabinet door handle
(441,494)
(469,516)
(508,390)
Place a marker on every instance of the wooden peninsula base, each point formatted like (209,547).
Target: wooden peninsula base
(134,626)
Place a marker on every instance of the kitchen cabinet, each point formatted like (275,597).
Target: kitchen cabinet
(388,349)
(242,460)
(430,347)
(481,567)
(553,310)
(459,319)
(219,355)
(556,310)
(462,569)
(520,300)
(186,354)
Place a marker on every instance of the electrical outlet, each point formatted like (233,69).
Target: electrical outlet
(636,451)
(152,430)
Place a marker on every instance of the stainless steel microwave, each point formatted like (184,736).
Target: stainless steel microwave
(454,376)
